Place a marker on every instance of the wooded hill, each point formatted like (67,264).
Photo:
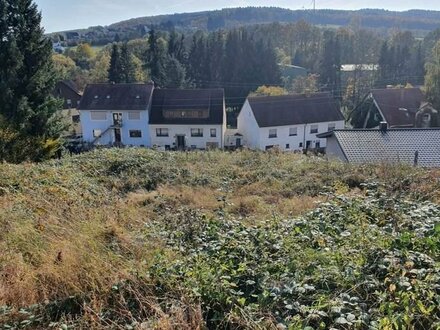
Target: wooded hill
(420,22)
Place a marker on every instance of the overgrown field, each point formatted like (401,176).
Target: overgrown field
(138,239)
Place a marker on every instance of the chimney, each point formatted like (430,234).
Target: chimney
(383,126)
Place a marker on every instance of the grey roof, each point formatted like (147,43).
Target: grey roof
(295,109)
(116,97)
(390,146)
(188,100)
(392,103)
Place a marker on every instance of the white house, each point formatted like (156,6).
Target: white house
(116,114)
(289,122)
(187,119)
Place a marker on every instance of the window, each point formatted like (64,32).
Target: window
(287,146)
(75,119)
(269,147)
(317,144)
(300,144)
(197,132)
(313,129)
(272,133)
(162,132)
(426,117)
(69,102)
(135,115)
(331,127)
(167,147)
(135,133)
(98,115)
(213,132)
(293,131)
(97,133)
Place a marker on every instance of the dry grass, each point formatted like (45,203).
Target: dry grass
(77,227)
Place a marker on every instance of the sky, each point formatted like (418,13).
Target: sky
(60,15)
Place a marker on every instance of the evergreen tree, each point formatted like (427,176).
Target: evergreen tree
(330,64)
(115,72)
(432,79)
(128,68)
(197,61)
(156,58)
(27,78)
(176,74)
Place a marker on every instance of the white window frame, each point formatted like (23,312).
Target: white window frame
(314,128)
(331,127)
(135,137)
(98,112)
(198,134)
(160,129)
(293,131)
(273,135)
(134,115)
(211,131)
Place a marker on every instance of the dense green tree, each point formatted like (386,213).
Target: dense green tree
(27,78)
(432,80)
(176,74)
(157,58)
(330,64)
(115,72)
(127,65)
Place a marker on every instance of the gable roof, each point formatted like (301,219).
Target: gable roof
(294,109)
(185,100)
(116,97)
(391,103)
(390,146)
(71,85)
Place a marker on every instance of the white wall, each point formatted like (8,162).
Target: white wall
(283,137)
(174,130)
(248,127)
(334,149)
(88,125)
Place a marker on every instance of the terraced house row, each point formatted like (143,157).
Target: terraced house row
(144,116)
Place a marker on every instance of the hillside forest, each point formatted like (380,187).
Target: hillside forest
(228,59)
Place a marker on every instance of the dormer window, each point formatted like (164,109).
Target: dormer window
(138,96)
(108,96)
(96,97)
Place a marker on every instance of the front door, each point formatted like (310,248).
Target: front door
(118,138)
(238,143)
(180,142)
(117,119)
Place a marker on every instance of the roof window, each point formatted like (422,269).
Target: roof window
(96,97)
(108,96)
(138,96)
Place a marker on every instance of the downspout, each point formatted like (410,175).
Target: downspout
(304,139)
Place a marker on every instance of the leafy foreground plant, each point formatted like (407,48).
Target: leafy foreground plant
(362,263)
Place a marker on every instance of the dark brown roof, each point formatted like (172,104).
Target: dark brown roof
(211,100)
(294,109)
(70,84)
(116,97)
(392,102)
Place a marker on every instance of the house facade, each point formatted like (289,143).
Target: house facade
(116,114)
(289,122)
(187,119)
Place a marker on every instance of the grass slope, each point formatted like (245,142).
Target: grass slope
(138,239)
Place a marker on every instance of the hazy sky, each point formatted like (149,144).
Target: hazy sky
(61,15)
